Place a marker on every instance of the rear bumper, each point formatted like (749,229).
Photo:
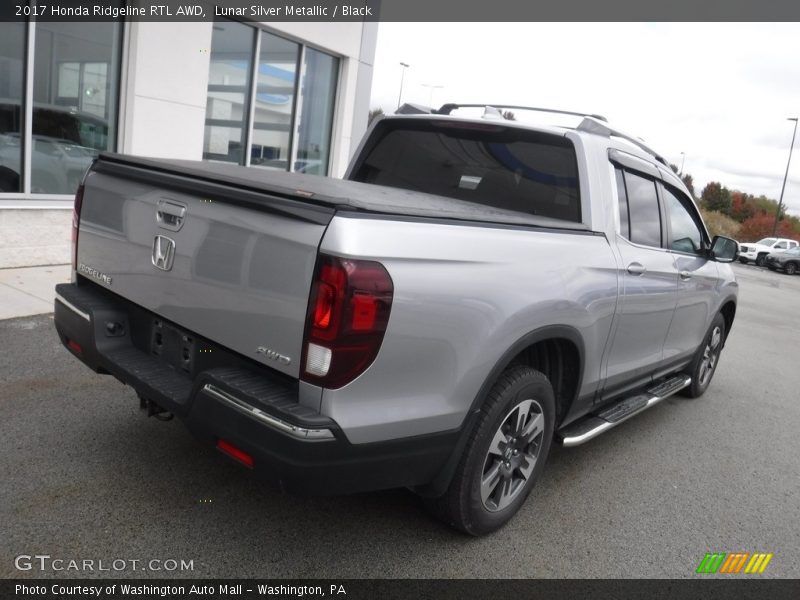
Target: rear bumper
(235,400)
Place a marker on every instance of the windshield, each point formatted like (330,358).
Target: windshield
(767,241)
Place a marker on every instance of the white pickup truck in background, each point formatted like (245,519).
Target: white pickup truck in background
(757,251)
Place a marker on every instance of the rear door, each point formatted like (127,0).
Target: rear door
(236,275)
(649,282)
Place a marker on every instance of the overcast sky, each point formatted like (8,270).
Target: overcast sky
(718,92)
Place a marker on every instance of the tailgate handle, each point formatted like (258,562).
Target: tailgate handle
(170,215)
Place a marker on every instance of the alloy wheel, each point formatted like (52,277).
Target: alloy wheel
(710,356)
(512,455)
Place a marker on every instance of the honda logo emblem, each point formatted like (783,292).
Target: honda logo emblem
(163,252)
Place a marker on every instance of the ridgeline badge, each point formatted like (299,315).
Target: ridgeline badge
(94,274)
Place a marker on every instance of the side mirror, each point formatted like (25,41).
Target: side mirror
(723,249)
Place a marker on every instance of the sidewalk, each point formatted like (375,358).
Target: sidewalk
(29,291)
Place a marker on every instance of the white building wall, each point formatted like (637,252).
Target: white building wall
(163,91)
(34,236)
(163,95)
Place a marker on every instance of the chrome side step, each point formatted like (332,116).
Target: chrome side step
(611,416)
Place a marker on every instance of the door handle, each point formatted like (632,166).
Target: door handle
(636,268)
(685,275)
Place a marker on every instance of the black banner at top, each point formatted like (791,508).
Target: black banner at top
(401,10)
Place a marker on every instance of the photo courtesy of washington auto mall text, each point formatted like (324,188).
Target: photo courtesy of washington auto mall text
(178,590)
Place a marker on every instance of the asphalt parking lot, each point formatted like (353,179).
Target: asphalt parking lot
(86,476)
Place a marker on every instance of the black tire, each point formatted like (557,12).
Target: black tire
(705,362)
(760,259)
(743,261)
(790,268)
(501,456)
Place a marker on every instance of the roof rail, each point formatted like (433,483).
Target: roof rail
(591,125)
(446,109)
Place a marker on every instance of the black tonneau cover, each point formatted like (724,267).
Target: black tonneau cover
(332,193)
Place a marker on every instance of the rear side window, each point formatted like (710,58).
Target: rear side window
(493,165)
(643,210)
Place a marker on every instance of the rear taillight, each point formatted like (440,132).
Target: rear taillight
(76,223)
(347,317)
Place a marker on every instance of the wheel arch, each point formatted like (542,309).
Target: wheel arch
(557,347)
(728,310)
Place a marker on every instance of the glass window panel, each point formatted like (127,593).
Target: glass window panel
(622,197)
(69,79)
(643,209)
(507,169)
(75,91)
(316,115)
(228,91)
(686,236)
(12,69)
(274,102)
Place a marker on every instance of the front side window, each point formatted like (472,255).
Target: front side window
(645,218)
(780,246)
(686,235)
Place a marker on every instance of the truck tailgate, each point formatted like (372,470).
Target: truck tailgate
(234,265)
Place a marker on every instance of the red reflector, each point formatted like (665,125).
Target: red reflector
(74,346)
(234,452)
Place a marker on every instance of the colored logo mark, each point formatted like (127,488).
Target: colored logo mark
(734,562)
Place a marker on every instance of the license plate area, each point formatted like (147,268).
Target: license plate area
(173,346)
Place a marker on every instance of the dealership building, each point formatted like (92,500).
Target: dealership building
(285,96)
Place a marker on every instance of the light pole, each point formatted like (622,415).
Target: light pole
(683,158)
(402,76)
(432,87)
(783,187)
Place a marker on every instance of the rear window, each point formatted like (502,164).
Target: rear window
(501,167)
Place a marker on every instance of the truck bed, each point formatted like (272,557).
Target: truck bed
(312,192)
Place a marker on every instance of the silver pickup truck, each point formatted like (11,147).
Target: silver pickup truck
(473,290)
